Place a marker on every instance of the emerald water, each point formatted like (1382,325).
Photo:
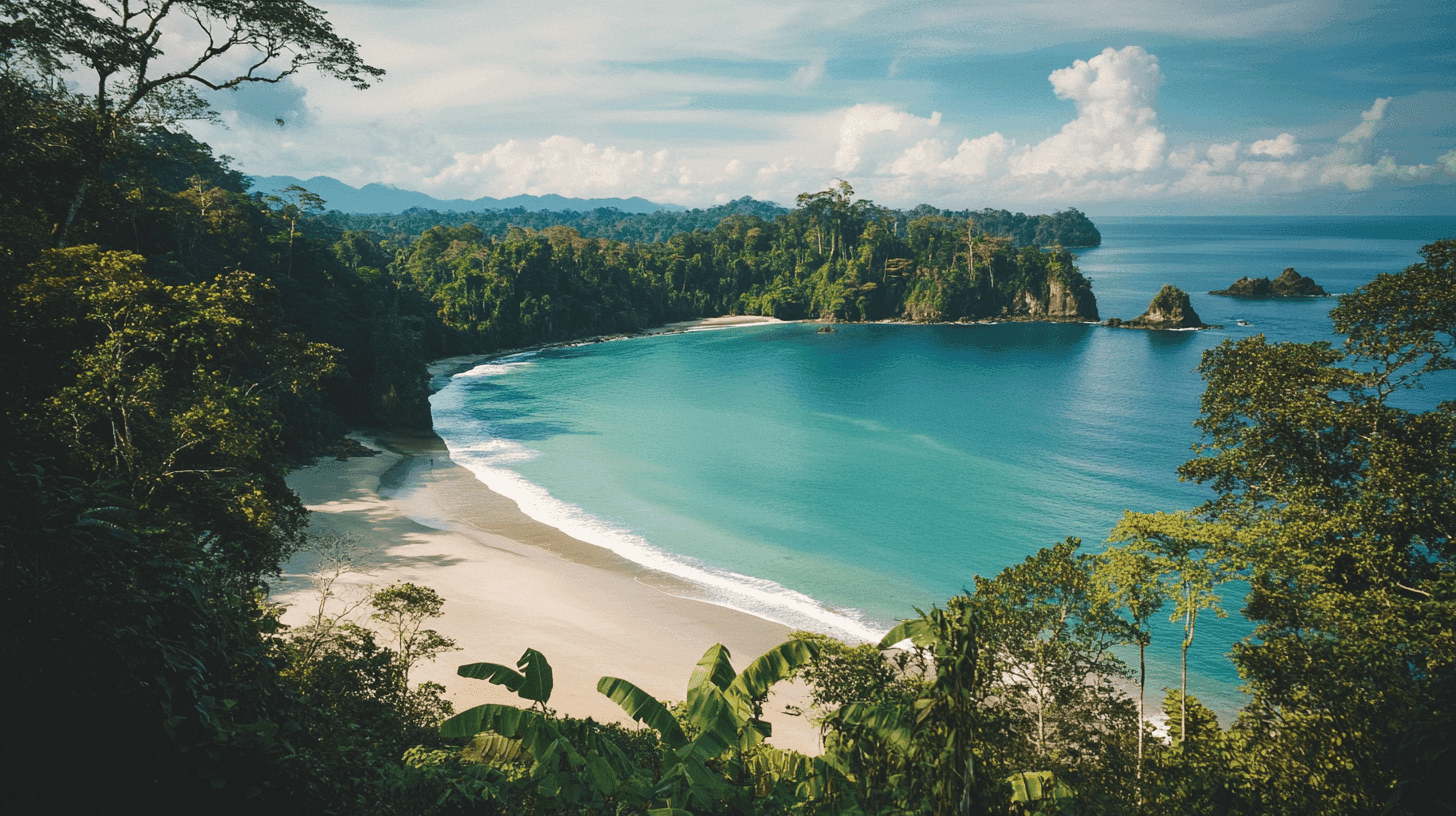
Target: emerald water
(835,481)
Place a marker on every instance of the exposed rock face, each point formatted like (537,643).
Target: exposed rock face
(1289,284)
(1056,300)
(1169,309)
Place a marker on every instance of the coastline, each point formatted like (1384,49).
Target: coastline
(512,583)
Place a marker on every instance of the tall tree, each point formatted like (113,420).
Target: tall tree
(1191,558)
(1128,580)
(171,392)
(1055,634)
(118,42)
(1342,497)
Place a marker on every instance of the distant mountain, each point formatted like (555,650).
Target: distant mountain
(383,198)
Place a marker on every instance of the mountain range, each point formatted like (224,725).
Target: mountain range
(384,198)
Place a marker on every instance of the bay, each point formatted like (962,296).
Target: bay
(836,481)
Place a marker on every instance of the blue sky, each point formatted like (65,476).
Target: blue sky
(1110,107)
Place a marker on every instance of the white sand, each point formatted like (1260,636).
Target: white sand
(510,583)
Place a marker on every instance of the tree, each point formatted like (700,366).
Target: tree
(336,556)
(118,43)
(173,393)
(710,756)
(1128,579)
(1191,559)
(402,609)
(1342,499)
(1055,635)
(294,203)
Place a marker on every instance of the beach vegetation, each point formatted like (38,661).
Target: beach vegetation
(402,609)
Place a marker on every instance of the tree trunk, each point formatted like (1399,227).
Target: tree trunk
(1142,692)
(80,197)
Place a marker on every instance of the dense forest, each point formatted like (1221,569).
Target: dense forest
(1069,228)
(174,344)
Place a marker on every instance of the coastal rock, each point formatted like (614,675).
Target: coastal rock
(1169,309)
(1058,298)
(1289,284)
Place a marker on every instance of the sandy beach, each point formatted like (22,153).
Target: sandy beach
(510,582)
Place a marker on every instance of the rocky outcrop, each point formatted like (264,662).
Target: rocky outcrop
(1059,298)
(1289,284)
(1169,309)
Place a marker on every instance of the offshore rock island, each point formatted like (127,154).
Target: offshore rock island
(1169,310)
(1289,284)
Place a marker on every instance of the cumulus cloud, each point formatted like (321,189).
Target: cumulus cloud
(264,103)
(1116,127)
(861,122)
(563,165)
(1369,124)
(1280,147)
(1114,149)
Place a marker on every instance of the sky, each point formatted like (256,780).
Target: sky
(1109,106)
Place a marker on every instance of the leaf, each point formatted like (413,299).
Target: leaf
(1029,787)
(915,630)
(887,721)
(533,683)
(494,673)
(714,716)
(602,774)
(493,748)
(643,707)
(778,663)
(715,668)
(539,679)
(508,721)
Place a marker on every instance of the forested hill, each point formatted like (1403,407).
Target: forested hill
(1069,228)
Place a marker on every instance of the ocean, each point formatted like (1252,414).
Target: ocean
(836,482)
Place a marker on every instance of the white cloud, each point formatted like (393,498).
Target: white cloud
(807,76)
(1220,157)
(861,121)
(1370,123)
(562,165)
(1280,147)
(1116,126)
(1114,150)
(625,100)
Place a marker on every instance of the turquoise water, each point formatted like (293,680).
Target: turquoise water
(835,481)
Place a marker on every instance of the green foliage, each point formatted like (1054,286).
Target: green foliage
(1054,635)
(1189,558)
(1340,502)
(114,626)
(403,609)
(171,391)
(1040,793)
(534,682)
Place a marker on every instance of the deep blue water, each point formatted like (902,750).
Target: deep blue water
(835,481)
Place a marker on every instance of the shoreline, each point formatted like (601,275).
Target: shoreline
(683,577)
(511,583)
(449,366)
